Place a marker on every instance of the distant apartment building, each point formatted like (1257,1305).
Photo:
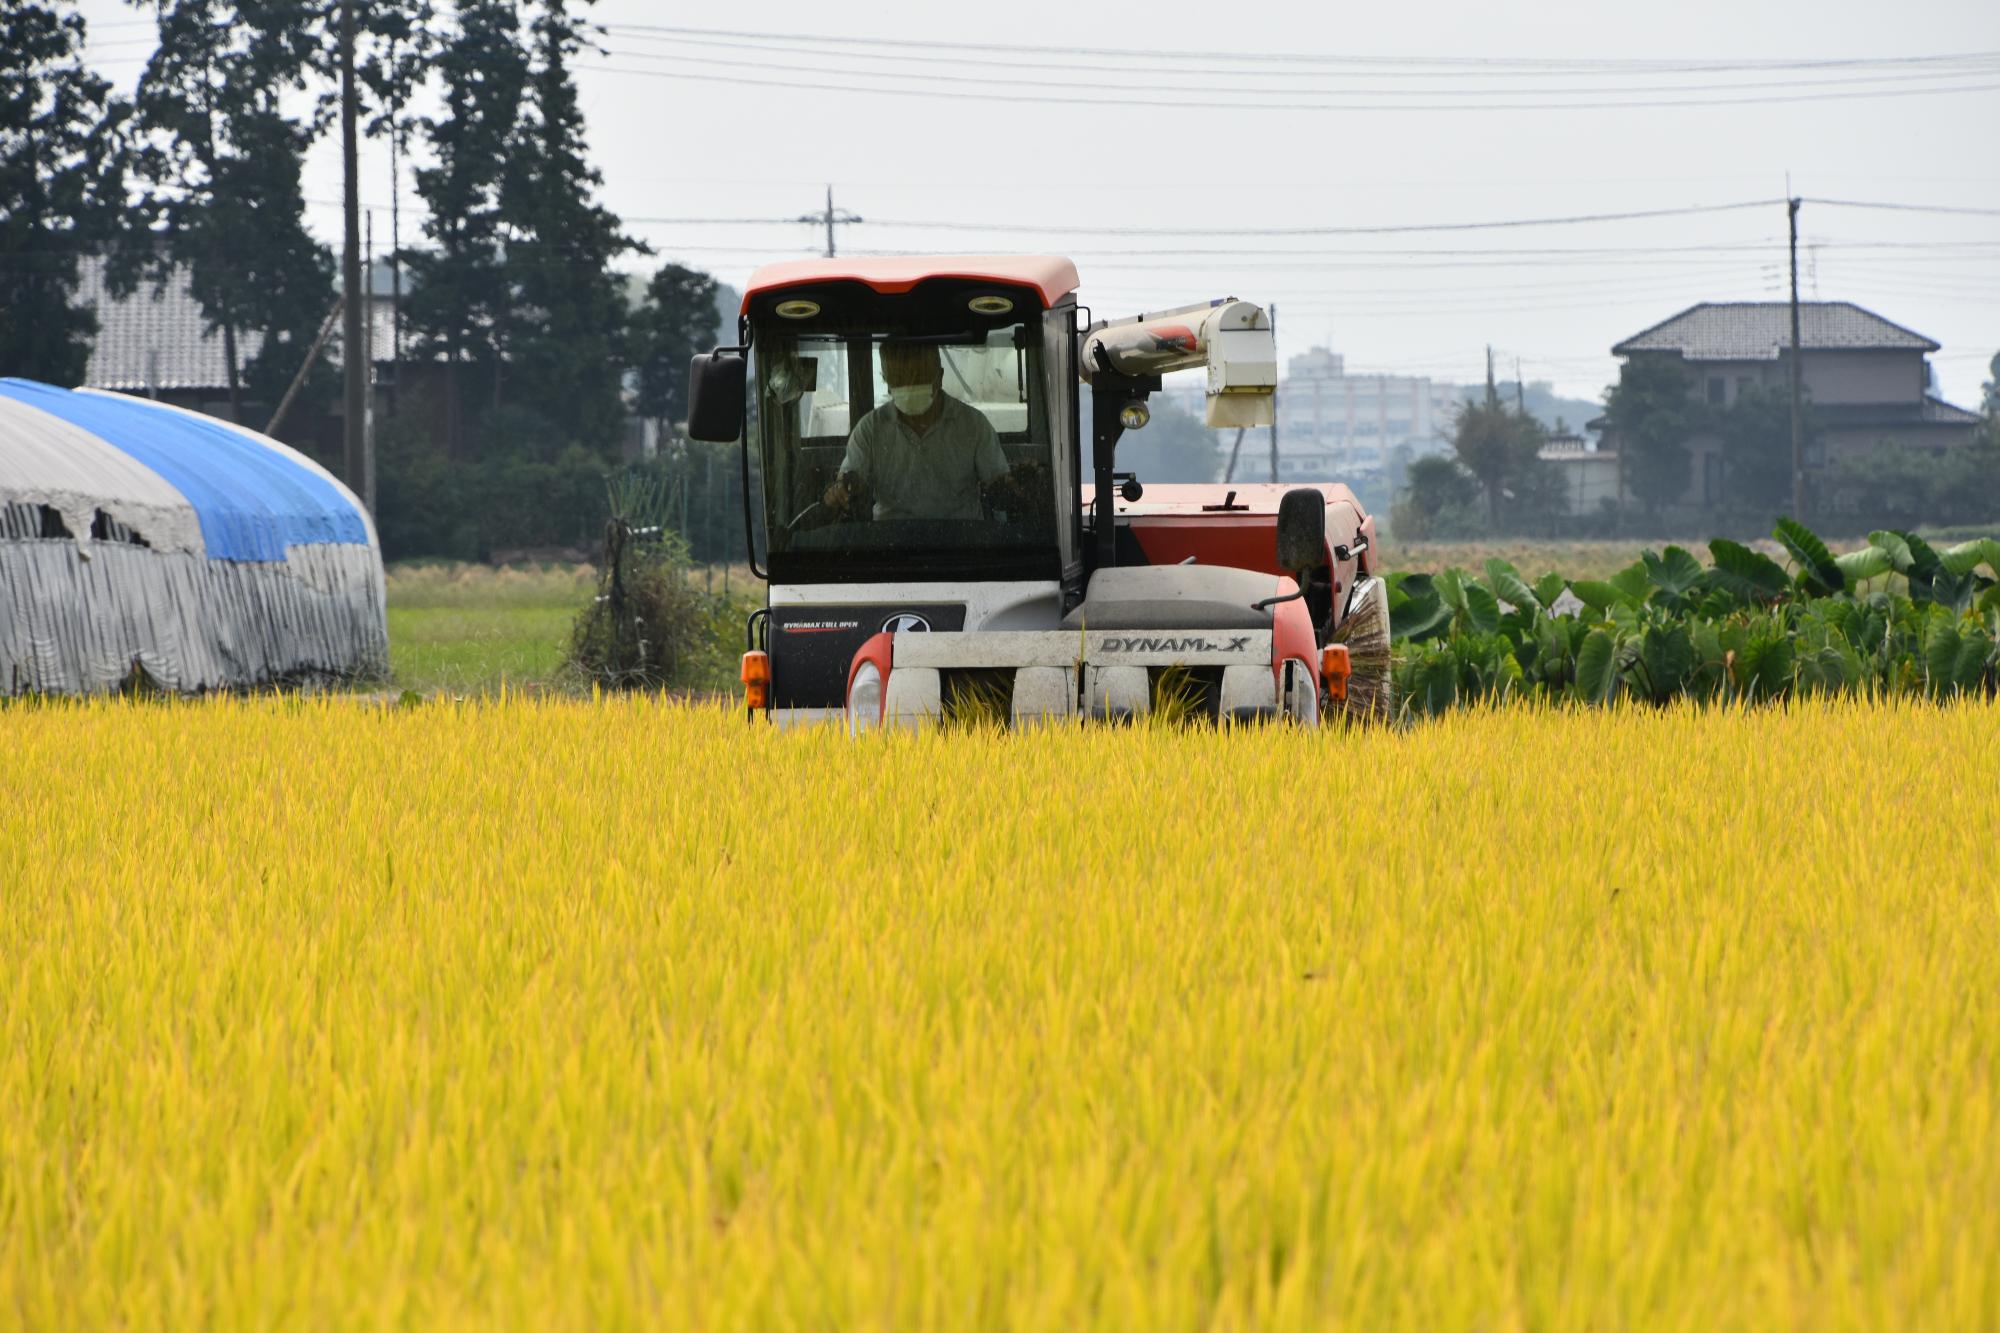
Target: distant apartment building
(1336,426)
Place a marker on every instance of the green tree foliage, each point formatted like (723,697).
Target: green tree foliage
(1652,416)
(677,319)
(61,189)
(1440,501)
(459,289)
(1989,392)
(221,156)
(1895,486)
(565,332)
(1756,436)
(1175,446)
(1496,445)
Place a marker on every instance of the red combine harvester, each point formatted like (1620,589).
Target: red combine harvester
(934,545)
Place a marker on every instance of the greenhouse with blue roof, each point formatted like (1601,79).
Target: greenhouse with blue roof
(143,541)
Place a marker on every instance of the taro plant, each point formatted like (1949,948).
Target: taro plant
(1896,616)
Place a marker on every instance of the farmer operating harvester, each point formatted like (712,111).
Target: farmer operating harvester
(945,535)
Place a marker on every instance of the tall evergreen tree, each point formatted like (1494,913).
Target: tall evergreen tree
(61,189)
(222,160)
(459,290)
(565,334)
(677,319)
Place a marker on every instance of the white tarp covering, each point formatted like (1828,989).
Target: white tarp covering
(47,461)
(222,558)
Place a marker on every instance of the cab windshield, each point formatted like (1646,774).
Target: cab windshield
(896,453)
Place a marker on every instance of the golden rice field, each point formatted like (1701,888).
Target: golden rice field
(618,1014)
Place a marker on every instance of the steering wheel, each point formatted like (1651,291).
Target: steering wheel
(792,527)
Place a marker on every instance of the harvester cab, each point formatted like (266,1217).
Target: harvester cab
(943,534)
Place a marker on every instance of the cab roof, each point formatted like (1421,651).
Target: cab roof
(1052,275)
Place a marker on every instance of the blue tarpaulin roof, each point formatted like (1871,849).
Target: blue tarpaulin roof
(252,500)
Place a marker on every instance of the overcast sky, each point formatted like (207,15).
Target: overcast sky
(719,126)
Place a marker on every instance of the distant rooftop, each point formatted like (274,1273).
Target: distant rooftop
(1762,330)
(162,341)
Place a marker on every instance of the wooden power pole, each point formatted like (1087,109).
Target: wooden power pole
(1274,394)
(1798,396)
(353,352)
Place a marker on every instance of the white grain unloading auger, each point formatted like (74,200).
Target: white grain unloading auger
(914,483)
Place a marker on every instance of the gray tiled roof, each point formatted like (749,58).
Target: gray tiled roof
(162,341)
(1761,330)
(1927,412)
(147,341)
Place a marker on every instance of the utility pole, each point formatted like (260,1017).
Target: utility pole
(1798,405)
(352,350)
(829,217)
(368,368)
(1274,394)
(1520,391)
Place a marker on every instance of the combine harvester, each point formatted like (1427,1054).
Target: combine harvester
(936,548)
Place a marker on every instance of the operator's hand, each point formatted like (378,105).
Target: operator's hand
(837,497)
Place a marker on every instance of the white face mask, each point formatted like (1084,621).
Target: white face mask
(913,400)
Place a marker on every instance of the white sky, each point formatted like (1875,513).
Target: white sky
(672,146)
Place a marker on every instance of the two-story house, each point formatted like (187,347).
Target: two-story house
(1868,379)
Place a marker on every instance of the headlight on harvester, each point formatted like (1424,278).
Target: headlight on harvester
(864,699)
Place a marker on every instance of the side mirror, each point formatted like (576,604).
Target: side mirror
(1301,531)
(715,395)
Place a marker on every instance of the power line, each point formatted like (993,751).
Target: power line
(1384,230)
(1905,208)
(1528,65)
(1183,105)
(1970,68)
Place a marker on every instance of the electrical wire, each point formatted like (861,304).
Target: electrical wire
(1388,230)
(1526,65)
(1184,105)
(958,77)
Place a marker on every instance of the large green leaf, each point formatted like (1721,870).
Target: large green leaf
(1894,545)
(1416,611)
(1764,668)
(1596,675)
(1941,647)
(1482,609)
(1437,683)
(1508,585)
(1968,556)
(1869,562)
(1597,596)
(1829,669)
(1954,592)
(1749,576)
(1674,571)
(1975,650)
(1633,583)
(1818,574)
(1667,656)
(1450,585)
(1548,588)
